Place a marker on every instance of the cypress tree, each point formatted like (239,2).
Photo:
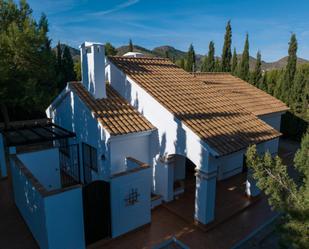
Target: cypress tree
(299,92)
(287,83)
(227,51)
(217,66)
(244,64)
(256,78)
(68,66)
(234,62)
(131,47)
(204,64)
(190,65)
(210,65)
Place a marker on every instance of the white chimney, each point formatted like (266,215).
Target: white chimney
(93,68)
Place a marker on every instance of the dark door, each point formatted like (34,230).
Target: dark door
(97,215)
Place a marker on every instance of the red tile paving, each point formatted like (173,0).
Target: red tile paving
(166,224)
(14,233)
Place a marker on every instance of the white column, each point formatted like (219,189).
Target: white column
(169,177)
(251,188)
(205,196)
(3,172)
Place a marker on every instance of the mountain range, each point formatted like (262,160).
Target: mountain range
(177,54)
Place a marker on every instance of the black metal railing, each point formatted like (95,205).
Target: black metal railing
(69,165)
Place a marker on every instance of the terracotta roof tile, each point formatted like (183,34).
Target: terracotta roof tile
(241,92)
(224,125)
(116,115)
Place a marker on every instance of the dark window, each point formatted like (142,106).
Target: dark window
(90,157)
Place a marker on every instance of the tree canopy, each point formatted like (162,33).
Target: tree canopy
(243,71)
(285,194)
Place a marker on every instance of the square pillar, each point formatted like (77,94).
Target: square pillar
(205,196)
(169,182)
(251,189)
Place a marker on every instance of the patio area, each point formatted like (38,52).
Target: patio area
(230,200)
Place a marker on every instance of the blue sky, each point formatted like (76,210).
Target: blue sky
(178,23)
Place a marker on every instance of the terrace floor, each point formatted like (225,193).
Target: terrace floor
(169,220)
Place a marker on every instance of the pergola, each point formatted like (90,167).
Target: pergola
(33,132)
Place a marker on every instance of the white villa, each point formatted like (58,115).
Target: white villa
(136,122)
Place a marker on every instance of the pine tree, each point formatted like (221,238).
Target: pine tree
(131,47)
(110,50)
(256,77)
(243,71)
(287,82)
(190,65)
(227,51)
(286,195)
(234,62)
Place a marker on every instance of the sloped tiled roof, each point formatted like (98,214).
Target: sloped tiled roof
(241,92)
(221,123)
(116,115)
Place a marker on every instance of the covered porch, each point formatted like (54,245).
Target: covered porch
(230,199)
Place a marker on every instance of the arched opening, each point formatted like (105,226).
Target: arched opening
(184,185)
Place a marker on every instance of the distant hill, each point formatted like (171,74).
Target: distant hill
(176,54)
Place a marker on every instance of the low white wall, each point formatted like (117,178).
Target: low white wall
(132,145)
(128,217)
(31,205)
(3,172)
(64,220)
(44,165)
(55,219)
(273,119)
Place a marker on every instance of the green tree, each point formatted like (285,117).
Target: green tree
(227,51)
(190,65)
(256,76)
(77,70)
(131,47)
(285,194)
(68,65)
(27,63)
(217,66)
(243,71)
(209,62)
(110,50)
(299,93)
(287,81)
(234,62)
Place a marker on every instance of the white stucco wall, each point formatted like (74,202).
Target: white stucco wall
(128,217)
(72,114)
(273,119)
(44,165)
(230,165)
(172,137)
(132,145)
